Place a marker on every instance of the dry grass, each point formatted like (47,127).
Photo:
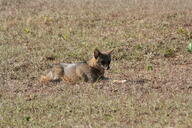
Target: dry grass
(150,39)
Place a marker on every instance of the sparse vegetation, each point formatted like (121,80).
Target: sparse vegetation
(189,48)
(149,68)
(169,53)
(150,34)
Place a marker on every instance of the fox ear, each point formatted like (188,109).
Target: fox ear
(110,52)
(96,53)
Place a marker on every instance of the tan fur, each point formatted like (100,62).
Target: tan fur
(93,63)
(89,71)
(45,79)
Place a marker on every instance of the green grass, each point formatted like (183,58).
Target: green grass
(149,38)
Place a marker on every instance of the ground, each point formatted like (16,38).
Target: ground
(149,38)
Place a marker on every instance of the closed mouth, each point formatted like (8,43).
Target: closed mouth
(106,68)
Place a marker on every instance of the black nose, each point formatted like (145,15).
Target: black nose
(108,68)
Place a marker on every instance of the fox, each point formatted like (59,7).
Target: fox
(87,71)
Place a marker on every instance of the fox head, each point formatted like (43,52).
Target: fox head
(102,59)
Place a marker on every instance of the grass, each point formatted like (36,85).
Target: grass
(150,40)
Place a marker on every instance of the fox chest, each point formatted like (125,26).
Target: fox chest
(96,74)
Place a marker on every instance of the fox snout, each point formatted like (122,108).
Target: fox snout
(106,67)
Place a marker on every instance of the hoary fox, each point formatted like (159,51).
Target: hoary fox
(87,71)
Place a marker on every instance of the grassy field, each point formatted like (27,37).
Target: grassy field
(149,38)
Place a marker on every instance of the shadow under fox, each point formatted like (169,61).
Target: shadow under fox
(87,71)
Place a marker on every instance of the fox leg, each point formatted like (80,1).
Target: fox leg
(84,77)
(55,74)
